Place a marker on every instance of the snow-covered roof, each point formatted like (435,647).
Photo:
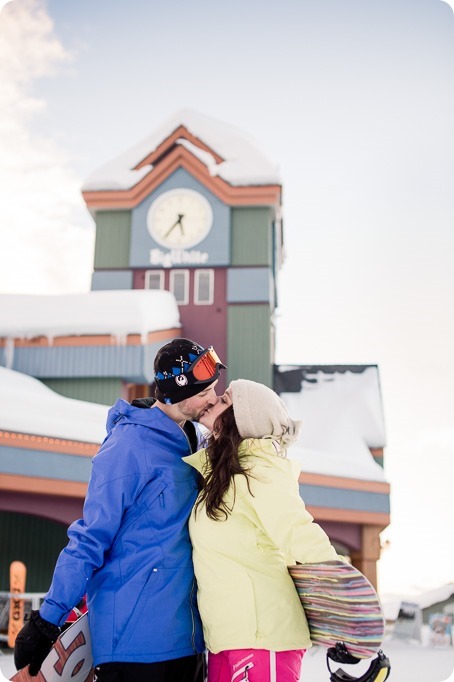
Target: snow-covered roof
(243,164)
(391,603)
(98,312)
(342,419)
(435,596)
(28,406)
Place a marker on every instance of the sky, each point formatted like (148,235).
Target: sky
(353,100)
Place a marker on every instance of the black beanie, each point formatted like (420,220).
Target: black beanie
(171,362)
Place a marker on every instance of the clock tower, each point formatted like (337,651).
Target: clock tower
(196,209)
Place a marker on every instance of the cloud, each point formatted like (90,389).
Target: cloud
(450,3)
(46,244)
(3,3)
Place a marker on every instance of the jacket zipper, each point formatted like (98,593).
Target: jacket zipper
(187,439)
(191,597)
(192,615)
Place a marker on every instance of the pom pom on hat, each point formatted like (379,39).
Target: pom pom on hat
(259,412)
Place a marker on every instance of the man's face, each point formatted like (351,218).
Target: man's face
(212,413)
(195,407)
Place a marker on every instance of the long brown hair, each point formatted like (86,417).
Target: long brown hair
(224,463)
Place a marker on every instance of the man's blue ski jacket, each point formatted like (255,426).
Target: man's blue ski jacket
(131,551)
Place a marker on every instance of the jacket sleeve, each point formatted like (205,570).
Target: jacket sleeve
(283,517)
(114,484)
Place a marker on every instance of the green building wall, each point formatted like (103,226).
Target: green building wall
(36,542)
(250,343)
(251,236)
(250,331)
(113,238)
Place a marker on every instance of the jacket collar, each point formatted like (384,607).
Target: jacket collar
(260,448)
(198,460)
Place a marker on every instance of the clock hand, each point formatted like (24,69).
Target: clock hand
(177,222)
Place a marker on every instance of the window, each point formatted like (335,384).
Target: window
(203,287)
(179,286)
(154,279)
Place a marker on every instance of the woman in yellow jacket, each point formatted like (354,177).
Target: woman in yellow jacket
(248,524)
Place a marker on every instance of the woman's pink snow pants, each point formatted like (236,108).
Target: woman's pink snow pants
(255,665)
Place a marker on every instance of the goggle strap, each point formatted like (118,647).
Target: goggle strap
(378,670)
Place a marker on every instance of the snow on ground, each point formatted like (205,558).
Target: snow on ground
(410,662)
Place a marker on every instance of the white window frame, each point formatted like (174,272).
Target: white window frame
(185,274)
(148,274)
(197,274)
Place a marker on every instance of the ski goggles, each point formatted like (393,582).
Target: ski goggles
(206,366)
(378,670)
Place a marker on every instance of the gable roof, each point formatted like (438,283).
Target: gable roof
(219,155)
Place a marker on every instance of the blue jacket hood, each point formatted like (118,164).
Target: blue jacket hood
(122,410)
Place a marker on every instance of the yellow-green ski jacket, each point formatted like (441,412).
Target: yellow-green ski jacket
(246,597)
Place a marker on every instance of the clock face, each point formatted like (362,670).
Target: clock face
(179,219)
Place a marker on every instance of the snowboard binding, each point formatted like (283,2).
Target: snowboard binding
(378,670)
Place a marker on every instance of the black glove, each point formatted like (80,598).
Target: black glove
(34,642)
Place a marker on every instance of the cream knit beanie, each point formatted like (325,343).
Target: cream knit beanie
(260,413)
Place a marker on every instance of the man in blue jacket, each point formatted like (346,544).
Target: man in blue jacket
(131,551)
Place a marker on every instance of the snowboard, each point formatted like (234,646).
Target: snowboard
(340,605)
(69,660)
(17,576)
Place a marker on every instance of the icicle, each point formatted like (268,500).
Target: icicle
(9,352)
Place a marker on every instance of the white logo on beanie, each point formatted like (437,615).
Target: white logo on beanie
(181,380)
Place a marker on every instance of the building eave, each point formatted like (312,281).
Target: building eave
(180,157)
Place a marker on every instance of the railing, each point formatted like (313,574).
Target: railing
(32,601)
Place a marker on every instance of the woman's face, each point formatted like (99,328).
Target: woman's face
(210,416)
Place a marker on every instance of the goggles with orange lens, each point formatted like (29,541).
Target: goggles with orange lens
(206,366)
